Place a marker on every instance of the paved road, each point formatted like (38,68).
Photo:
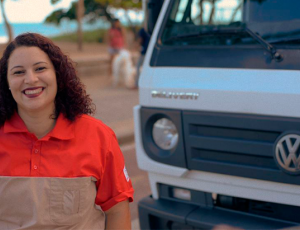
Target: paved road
(114,105)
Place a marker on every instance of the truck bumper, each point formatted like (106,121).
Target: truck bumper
(165,214)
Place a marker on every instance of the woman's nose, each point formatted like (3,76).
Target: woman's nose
(30,77)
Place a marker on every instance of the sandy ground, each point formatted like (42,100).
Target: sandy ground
(89,49)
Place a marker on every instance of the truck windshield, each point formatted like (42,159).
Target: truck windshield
(225,22)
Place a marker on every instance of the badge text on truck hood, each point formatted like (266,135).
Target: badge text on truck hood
(174,95)
(287,153)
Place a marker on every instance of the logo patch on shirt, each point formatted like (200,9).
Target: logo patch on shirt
(126,174)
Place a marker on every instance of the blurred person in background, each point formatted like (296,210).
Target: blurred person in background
(143,41)
(116,41)
(59,167)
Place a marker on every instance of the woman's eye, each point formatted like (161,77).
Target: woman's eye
(18,72)
(40,68)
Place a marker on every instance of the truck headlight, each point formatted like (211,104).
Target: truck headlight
(165,134)
(162,136)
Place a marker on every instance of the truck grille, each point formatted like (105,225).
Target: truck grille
(236,144)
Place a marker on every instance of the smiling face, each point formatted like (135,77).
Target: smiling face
(32,80)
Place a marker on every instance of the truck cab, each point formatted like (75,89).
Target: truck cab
(218,123)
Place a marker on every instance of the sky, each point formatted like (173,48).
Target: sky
(31,11)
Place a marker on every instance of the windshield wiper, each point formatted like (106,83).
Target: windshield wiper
(266,45)
(271,49)
(201,34)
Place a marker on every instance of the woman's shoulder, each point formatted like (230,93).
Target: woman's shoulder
(91,124)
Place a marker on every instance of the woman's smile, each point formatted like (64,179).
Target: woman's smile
(33,92)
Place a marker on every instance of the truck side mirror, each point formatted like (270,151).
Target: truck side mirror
(151,9)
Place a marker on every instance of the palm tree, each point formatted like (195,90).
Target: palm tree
(201,11)
(79,16)
(58,15)
(212,13)
(7,25)
(237,9)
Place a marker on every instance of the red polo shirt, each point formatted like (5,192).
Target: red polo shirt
(83,148)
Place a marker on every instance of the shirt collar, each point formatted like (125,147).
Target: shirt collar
(63,129)
(15,124)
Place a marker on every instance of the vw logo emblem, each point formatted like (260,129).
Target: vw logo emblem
(287,149)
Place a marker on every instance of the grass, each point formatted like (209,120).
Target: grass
(88,36)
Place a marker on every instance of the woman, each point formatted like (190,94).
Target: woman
(116,38)
(59,167)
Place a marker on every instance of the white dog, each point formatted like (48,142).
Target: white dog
(123,69)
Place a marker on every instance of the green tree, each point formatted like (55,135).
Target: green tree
(118,4)
(125,5)
(75,12)
(94,9)
(79,17)
(6,22)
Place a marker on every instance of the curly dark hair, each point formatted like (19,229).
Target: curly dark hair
(71,99)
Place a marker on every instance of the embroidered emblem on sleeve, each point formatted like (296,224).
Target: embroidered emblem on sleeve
(126,174)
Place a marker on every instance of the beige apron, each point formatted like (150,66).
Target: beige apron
(49,203)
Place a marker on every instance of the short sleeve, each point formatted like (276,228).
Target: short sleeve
(114,185)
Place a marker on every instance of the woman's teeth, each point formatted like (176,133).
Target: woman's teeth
(35,91)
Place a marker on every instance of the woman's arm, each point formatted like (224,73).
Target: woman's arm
(118,217)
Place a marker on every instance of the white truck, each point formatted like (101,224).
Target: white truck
(218,123)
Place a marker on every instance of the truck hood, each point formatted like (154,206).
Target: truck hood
(265,92)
